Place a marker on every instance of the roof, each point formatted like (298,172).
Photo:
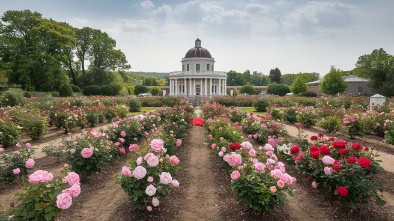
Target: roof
(348,78)
(198,51)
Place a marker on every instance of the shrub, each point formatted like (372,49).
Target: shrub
(155,91)
(278,89)
(117,88)
(261,105)
(12,97)
(92,116)
(55,94)
(122,111)
(138,89)
(309,94)
(91,90)
(248,89)
(10,135)
(107,90)
(277,113)
(15,163)
(65,90)
(307,117)
(135,105)
(35,125)
(291,115)
(75,88)
(331,124)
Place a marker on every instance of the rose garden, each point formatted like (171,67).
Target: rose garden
(101,158)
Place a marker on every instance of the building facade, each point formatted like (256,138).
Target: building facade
(198,76)
(357,86)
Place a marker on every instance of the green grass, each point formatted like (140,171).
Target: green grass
(251,110)
(144,109)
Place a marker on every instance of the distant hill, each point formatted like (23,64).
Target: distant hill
(149,74)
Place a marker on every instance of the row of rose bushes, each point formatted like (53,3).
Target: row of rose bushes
(258,177)
(89,151)
(70,114)
(345,169)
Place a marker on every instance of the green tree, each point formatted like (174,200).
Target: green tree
(299,86)
(379,68)
(235,78)
(65,90)
(138,89)
(287,79)
(275,75)
(333,82)
(155,90)
(278,89)
(248,88)
(99,77)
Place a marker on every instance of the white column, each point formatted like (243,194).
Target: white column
(170,86)
(176,86)
(194,86)
(225,87)
(205,86)
(185,85)
(220,86)
(210,87)
(190,86)
(201,86)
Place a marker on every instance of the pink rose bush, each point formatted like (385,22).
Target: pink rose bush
(42,187)
(17,164)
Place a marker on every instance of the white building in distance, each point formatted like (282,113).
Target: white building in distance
(198,76)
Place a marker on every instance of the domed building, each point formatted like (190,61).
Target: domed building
(198,77)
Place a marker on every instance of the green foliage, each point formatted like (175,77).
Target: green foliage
(390,136)
(107,90)
(275,75)
(91,90)
(35,125)
(122,111)
(135,105)
(248,88)
(261,105)
(307,117)
(93,118)
(333,82)
(65,90)
(12,97)
(75,88)
(15,160)
(278,89)
(138,89)
(299,86)
(291,115)
(155,91)
(11,133)
(331,124)
(308,94)
(277,113)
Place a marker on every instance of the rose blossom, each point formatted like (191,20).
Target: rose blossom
(148,155)
(28,145)
(72,151)
(153,161)
(224,149)
(175,183)
(351,160)
(286,178)
(339,144)
(40,176)
(259,166)
(294,150)
(342,191)
(126,171)
(234,146)
(314,137)
(273,189)
(314,184)
(213,146)
(328,160)
(343,151)
(149,208)
(156,144)
(139,172)
(252,153)
(1,150)
(74,190)
(268,147)
(16,171)
(364,162)
(315,154)
(247,145)
(155,202)
(165,178)
(64,201)
(150,179)
(233,159)
(328,170)
(133,147)
(122,140)
(356,146)
(86,152)
(276,174)
(71,178)
(150,190)
(174,160)
(280,184)
(220,154)
(122,150)
(324,150)
(235,175)
(250,136)
(314,148)
(178,142)
(30,163)
(123,133)
(139,160)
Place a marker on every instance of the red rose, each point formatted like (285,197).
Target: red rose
(364,162)
(339,144)
(366,149)
(342,191)
(315,154)
(331,138)
(343,151)
(294,150)
(336,166)
(313,137)
(356,146)
(324,150)
(351,160)
(234,146)
(314,148)
(321,135)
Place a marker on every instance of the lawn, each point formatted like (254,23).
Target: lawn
(251,110)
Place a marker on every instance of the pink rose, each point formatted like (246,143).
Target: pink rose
(234,159)
(224,149)
(86,152)
(178,142)
(328,170)
(213,146)
(64,201)
(123,133)
(235,175)
(139,172)
(255,136)
(28,145)
(1,150)
(72,151)
(16,171)
(250,136)
(149,208)
(210,136)
(165,178)
(29,163)
(40,176)
(280,184)
(286,178)
(150,190)
(252,153)
(126,171)
(17,152)
(122,150)
(247,145)
(174,160)
(122,140)
(259,166)
(276,174)
(139,160)
(116,144)
(220,154)
(148,155)
(71,178)
(150,179)
(156,144)
(328,160)
(273,189)
(74,190)
(155,202)
(175,183)
(133,147)
(153,161)
(314,184)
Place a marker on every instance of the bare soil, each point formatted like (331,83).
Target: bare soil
(205,193)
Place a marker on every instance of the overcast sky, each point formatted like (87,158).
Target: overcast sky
(256,35)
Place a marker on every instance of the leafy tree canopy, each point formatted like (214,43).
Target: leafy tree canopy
(299,86)
(333,82)
(275,75)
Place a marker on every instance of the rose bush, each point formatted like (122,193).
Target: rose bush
(17,163)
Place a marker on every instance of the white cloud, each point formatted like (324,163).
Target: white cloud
(78,22)
(147,4)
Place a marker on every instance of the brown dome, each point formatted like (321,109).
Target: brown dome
(198,51)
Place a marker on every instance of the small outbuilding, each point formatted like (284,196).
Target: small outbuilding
(376,100)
